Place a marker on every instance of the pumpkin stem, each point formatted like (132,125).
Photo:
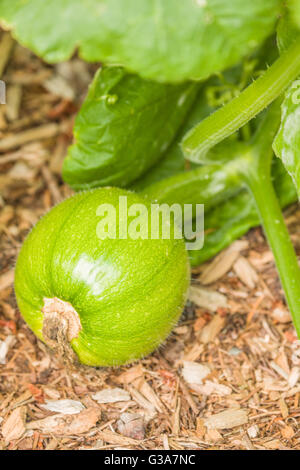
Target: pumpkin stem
(61,324)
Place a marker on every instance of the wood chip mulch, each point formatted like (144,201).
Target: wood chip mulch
(227,378)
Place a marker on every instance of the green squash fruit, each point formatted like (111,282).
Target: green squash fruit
(101,301)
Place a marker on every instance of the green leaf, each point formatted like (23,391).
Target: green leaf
(289,25)
(173,161)
(166,40)
(294,6)
(124,127)
(236,216)
(287,142)
(214,92)
(208,184)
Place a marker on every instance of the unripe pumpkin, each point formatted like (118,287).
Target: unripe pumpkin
(106,301)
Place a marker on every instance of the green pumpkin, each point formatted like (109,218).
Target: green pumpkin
(105,301)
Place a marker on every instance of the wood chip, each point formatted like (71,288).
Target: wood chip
(222,263)
(4,347)
(253,431)
(132,425)
(57,85)
(37,133)
(207,299)
(13,102)
(194,373)
(212,435)
(22,171)
(211,331)
(68,424)
(287,432)
(293,377)
(279,370)
(283,408)
(130,375)
(144,403)
(14,426)
(274,444)
(227,419)
(111,395)
(188,397)
(6,215)
(210,388)
(65,407)
(281,315)
(245,272)
(6,279)
(117,439)
(53,187)
(151,396)
(176,418)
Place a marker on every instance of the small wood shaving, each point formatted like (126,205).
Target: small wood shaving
(131,375)
(227,419)
(22,171)
(43,132)
(176,419)
(6,279)
(287,432)
(194,373)
(13,102)
(144,403)
(65,407)
(253,431)
(208,299)
(245,272)
(283,408)
(57,85)
(222,263)
(294,376)
(68,424)
(281,315)
(211,331)
(151,396)
(279,370)
(212,435)
(14,426)
(117,439)
(111,395)
(210,388)
(4,348)
(131,425)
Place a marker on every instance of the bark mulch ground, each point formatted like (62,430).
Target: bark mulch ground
(228,376)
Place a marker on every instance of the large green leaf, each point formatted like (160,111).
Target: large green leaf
(287,142)
(166,40)
(124,127)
